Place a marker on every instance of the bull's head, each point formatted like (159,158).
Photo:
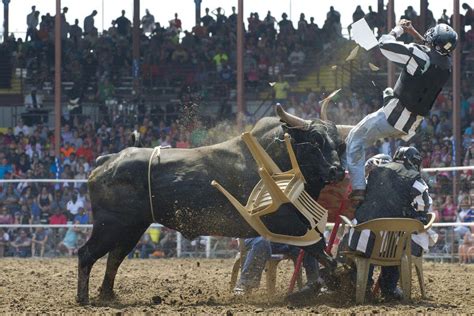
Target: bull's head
(318,148)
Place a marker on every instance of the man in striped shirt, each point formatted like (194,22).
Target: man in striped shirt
(394,189)
(426,68)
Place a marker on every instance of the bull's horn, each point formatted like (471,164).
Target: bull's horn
(325,104)
(291,119)
(343,130)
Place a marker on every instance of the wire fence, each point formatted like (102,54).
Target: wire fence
(36,238)
(159,242)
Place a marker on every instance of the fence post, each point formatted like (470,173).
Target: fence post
(208,247)
(452,244)
(179,238)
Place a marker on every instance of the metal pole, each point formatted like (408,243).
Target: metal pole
(390,25)
(240,64)
(457,98)
(422,26)
(380,6)
(208,246)
(57,80)
(5,20)
(291,11)
(136,45)
(198,12)
(103,12)
(179,239)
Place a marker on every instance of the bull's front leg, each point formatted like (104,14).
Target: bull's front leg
(83,272)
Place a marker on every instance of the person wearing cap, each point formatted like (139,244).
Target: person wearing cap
(81,217)
(426,69)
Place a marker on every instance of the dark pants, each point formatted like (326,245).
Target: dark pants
(388,279)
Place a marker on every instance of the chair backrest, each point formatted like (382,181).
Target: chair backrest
(392,236)
(275,189)
(431,218)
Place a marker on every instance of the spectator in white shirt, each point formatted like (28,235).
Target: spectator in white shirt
(33,100)
(148,22)
(31,22)
(73,206)
(21,128)
(297,57)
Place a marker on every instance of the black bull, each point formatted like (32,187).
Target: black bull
(185,201)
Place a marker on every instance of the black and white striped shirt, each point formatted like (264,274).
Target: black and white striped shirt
(415,60)
(363,241)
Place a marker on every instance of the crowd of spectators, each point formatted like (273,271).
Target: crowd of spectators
(204,55)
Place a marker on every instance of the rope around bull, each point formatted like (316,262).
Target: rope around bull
(156,150)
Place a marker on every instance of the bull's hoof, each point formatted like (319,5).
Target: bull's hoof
(82,300)
(107,295)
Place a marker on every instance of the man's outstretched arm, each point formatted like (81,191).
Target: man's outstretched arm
(410,56)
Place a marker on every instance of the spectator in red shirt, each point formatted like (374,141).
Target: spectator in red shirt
(176,23)
(85,151)
(58,218)
(183,141)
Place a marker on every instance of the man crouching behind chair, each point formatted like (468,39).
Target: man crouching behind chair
(394,189)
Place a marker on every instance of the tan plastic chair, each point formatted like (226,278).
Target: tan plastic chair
(391,246)
(270,268)
(274,189)
(418,261)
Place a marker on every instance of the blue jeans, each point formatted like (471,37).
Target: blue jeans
(373,127)
(259,250)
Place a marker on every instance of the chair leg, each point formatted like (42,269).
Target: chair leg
(405,276)
(270,276)
(362,265)
(418,262)
(235,273)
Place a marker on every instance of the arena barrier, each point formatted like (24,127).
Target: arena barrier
(221,247)
(225,247)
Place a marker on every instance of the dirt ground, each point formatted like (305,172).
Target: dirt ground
(201,286)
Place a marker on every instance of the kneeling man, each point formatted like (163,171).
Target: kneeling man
(394,189)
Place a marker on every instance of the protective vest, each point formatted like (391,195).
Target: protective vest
(389,194)
(417,93)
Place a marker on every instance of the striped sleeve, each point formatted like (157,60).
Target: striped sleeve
(421,198)
(411,56)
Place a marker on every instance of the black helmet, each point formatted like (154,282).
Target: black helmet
(409,156)
(442,38)
(378,160)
